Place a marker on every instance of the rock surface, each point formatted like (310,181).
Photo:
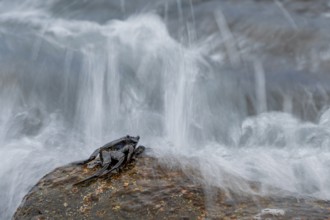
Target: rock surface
(147,190)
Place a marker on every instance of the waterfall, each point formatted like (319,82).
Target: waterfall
(69,85)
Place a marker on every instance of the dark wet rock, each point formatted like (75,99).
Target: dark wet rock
(147,190)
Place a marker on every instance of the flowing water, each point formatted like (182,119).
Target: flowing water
(205,88)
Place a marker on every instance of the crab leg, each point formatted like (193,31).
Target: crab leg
(130,149)
(92,157)
(139,150)
(118,164)
(97,174)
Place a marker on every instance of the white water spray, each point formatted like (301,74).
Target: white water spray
(90,83)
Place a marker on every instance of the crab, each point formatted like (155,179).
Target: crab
(116,153)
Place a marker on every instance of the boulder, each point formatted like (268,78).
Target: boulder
(147,189)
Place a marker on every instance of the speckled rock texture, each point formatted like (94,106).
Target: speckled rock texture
(145,189)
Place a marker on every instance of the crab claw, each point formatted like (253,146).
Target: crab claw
(139,150)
